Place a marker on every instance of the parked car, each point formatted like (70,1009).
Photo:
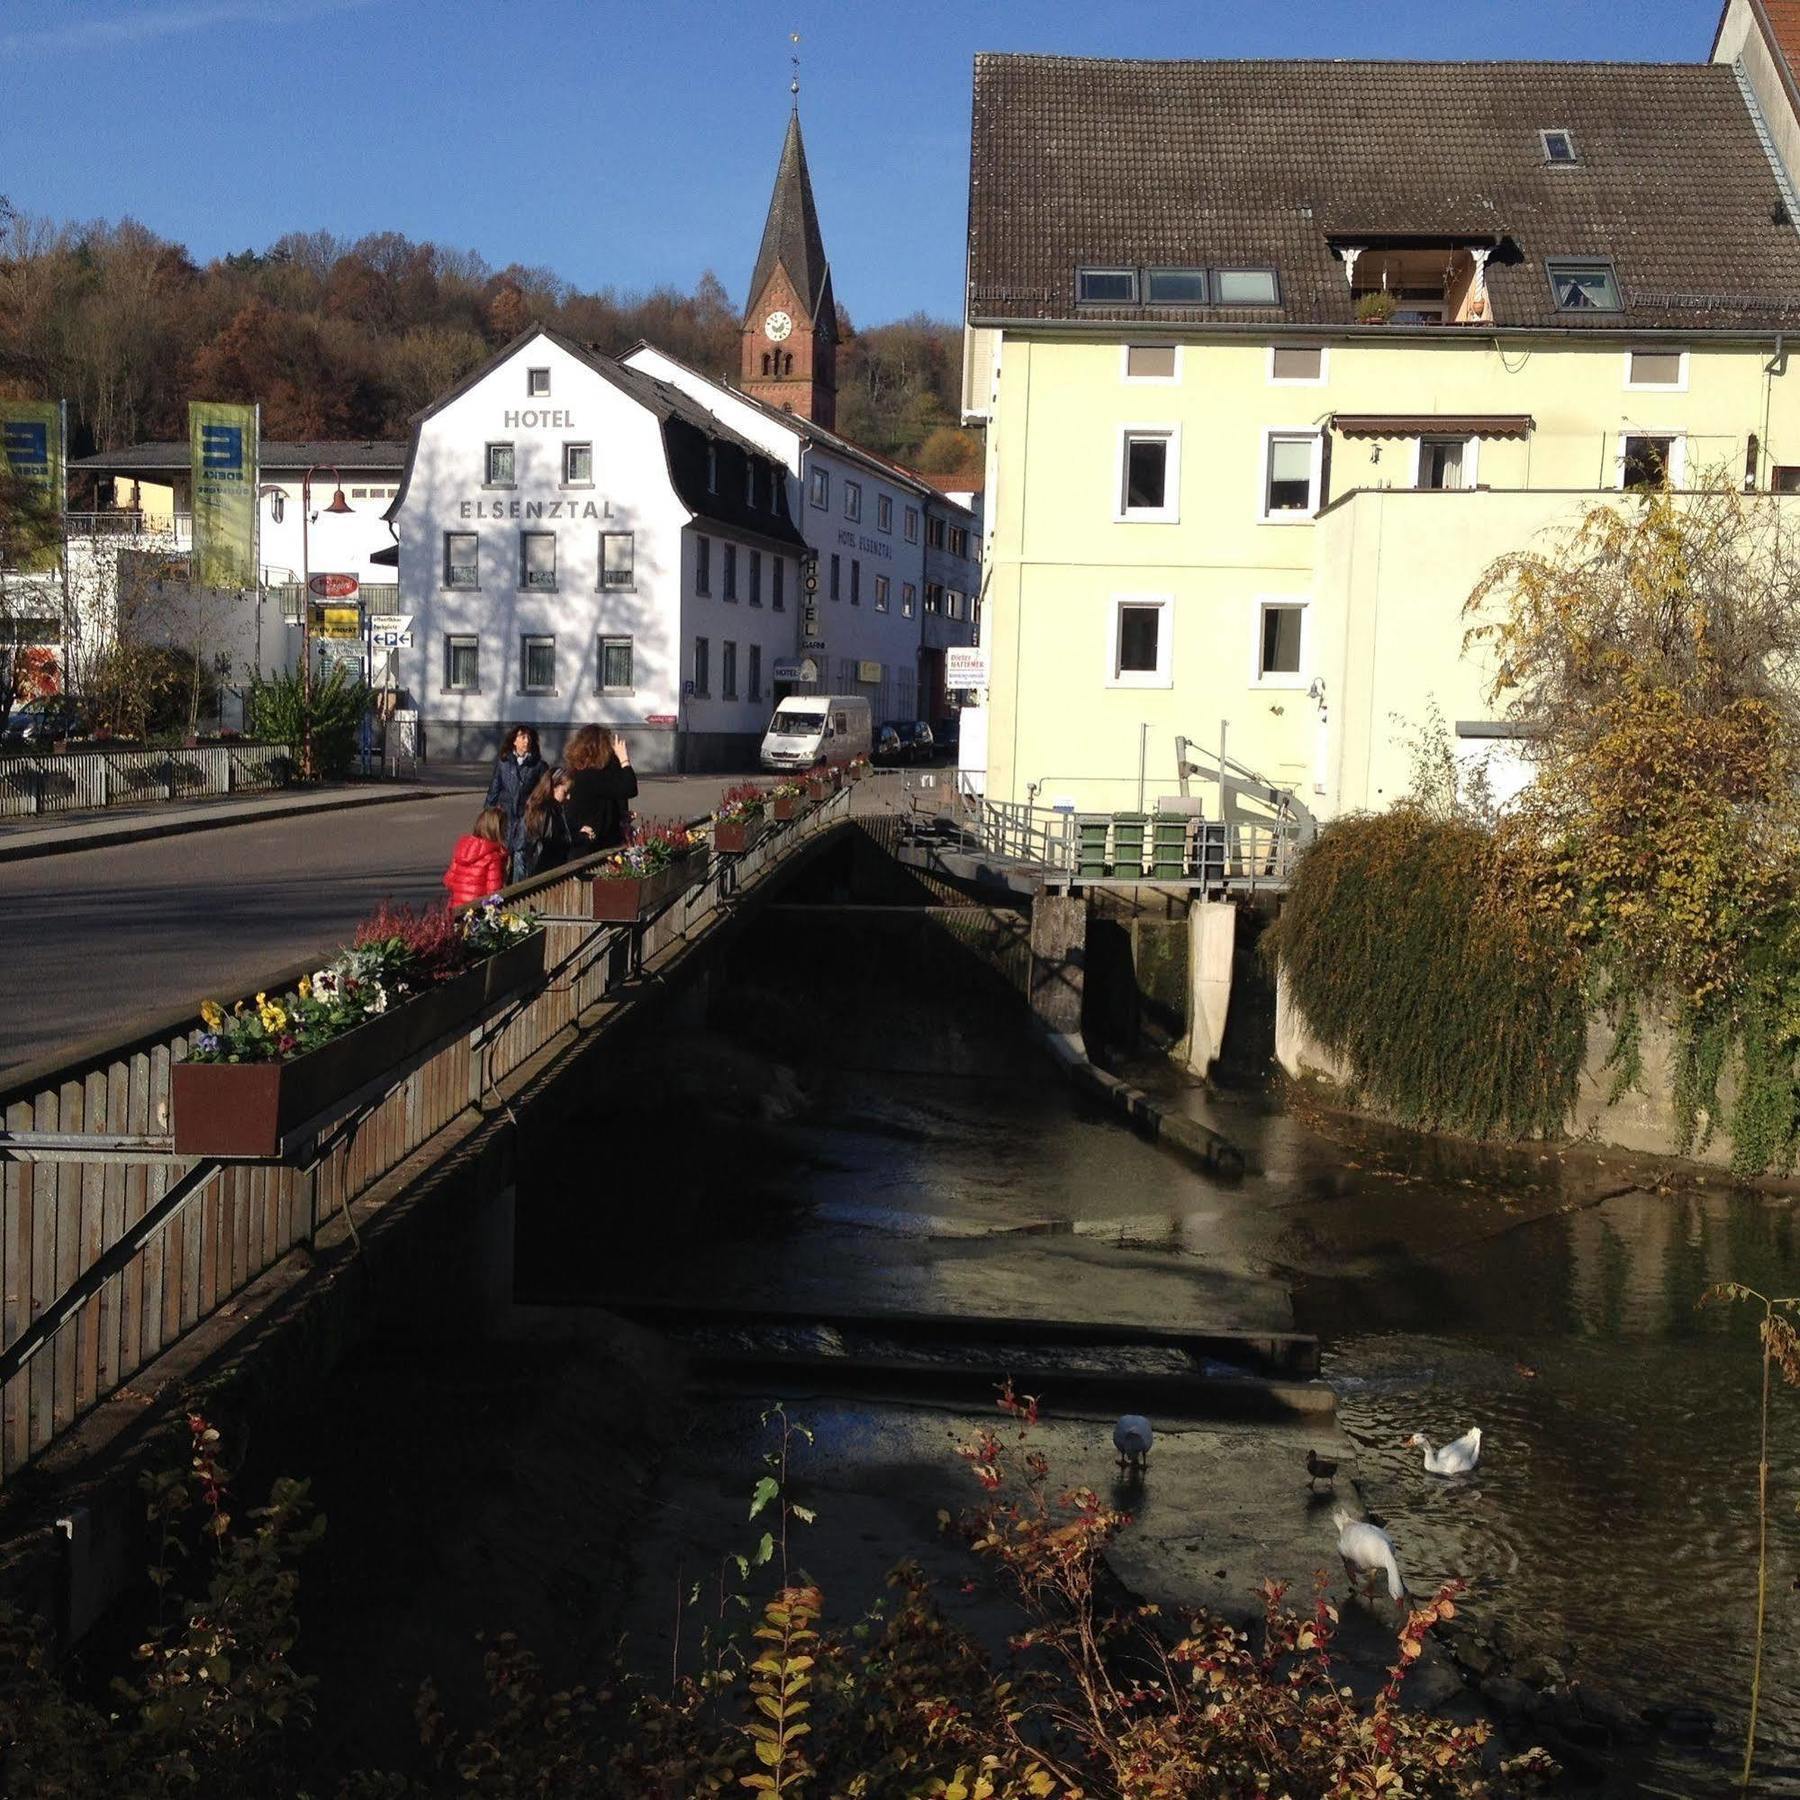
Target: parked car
(889,746)
(914,736)
(42,722)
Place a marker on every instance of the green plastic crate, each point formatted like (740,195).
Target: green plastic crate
(1090,844)
(1169,846)
(1128,844)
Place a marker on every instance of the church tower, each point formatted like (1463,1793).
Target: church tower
(790,321)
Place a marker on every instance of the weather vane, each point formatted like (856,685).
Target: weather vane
(794,85)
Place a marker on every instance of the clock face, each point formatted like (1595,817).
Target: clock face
(777,325)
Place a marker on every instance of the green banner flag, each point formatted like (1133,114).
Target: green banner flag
(224,447)
(32,451)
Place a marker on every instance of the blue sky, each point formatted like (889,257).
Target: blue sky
(629,145)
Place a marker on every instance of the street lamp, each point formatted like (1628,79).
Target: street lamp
(340,506)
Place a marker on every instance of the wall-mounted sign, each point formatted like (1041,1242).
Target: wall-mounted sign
(334,587)
(796,668)
(966,666)
(870,672)
(390,621)
(339,622)
(659,718)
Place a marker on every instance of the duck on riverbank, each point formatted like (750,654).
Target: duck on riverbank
(1367,1550)
(1456,1458)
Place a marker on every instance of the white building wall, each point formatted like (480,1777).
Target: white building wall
(723,722)
(630,491)
(334,544)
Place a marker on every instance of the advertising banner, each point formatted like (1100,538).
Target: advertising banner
(224,451)
(31,448)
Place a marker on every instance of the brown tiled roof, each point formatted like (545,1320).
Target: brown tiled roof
(1784,23)
(1081,161)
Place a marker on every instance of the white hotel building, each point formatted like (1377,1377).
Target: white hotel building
(580,543)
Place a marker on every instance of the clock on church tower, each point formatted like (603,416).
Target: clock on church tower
(789,337)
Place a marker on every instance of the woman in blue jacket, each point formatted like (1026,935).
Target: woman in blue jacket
(515,775)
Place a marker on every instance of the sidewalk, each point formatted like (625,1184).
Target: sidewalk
(55,834)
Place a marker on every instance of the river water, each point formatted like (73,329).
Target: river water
(1612,1526)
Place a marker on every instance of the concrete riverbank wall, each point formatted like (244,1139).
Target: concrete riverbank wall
(1642,1120)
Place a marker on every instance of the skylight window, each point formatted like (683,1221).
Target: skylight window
(1584,286)
(1559,148)
(1175,287)
(1246,287)
(1106,287)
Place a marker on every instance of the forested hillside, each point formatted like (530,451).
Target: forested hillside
(342,340)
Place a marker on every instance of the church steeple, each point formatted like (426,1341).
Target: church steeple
(790,321)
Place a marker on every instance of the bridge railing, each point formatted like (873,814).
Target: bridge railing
(113,1247)
(77,780)
(1172,846)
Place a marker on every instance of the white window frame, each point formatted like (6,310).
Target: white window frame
(569,447)
(884,513)
(629,584)
(526,640)
(1130,380)
(1298,516)
(1281,679)
(606,639)
(1169,513)
(912,525)
(1318,380)
(853,501)
(1678,386)
(1471,459)
(451,640)
(1159,677)
(883,590)
(1677,453)
(818,487)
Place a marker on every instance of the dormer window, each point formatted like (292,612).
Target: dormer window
(1559,148)
(1106,287)
(1584,285)
(1175,287)
(1246,287)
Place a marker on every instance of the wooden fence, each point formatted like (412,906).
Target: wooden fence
(74,780)
(108,1256)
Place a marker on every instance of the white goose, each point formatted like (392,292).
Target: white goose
(1132,1438)
(1367,1550)
(1454,1459)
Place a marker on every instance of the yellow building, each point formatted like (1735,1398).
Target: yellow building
(1275,358)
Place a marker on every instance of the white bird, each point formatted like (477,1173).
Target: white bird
(1132,1438)
(1454,1459)
(1367,1550)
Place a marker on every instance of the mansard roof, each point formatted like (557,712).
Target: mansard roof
(1084,162)
(791,238)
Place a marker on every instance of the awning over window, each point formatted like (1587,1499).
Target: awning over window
(1495,425)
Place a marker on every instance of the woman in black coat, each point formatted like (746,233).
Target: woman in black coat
(518,771)
(602,786)
(546,830)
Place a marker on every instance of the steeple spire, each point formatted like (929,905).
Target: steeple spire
(794,85)
(791,239)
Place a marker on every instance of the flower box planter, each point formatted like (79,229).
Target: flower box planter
(246,1109)
(820,787)
(732,837)
(624,899)
(790,806)
(856,771)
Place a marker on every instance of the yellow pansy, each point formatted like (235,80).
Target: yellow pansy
(305,987)
(212,1016)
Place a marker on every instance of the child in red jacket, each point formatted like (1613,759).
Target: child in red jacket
(478,863)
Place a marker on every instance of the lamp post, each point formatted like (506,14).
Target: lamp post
(340,506)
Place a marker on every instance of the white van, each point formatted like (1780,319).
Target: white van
(810,729)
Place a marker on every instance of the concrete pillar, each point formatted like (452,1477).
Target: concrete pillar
(1212,941)
(1296,1049)
(1058,957)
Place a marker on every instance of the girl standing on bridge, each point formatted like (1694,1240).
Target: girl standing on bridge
(478,863)
(546,830)
(602,786)
(518,771)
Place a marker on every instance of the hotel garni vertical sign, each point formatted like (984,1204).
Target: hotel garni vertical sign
(223,451)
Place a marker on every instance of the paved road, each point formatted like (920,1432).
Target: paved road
(99,939)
